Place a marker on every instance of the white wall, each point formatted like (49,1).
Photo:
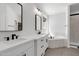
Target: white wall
(28,22)
(29,19)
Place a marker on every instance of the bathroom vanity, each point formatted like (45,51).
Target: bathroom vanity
(19,47)
(25,46)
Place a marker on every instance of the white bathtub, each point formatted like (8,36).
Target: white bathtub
(57,42)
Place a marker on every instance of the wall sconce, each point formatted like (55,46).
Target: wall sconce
(37,11)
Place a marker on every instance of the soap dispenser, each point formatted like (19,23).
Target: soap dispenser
(6,38)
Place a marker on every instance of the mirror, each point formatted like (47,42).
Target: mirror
(38,23)
(10,17)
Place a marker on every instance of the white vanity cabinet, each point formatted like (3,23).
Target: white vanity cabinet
(40,45)
(24,49)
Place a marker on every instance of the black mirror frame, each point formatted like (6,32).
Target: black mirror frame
(21,17)
(36,22)
(21,20)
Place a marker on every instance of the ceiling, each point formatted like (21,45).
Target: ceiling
(52,8)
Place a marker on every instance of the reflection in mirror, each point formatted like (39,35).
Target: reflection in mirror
(44,24)
(10,17)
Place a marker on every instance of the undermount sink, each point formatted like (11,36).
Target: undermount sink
(11,43)
(14,41)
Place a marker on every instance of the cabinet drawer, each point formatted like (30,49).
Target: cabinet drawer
(41,46)
(40,49)
(40,41)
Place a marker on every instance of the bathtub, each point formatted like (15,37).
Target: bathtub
(57,42)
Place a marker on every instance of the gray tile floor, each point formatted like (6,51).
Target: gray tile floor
(62,52)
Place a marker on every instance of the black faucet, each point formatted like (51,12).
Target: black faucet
(13,36)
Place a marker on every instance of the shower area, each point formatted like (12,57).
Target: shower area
(74,25)
(58,31)
(58,28)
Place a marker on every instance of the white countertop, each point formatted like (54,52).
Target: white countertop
(34,37)
(8,44)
